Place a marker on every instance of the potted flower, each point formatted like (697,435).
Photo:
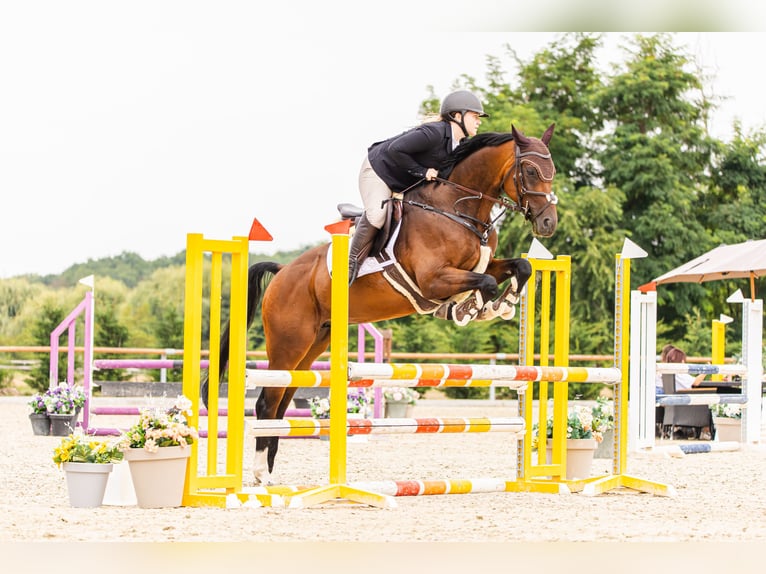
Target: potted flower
(581,441)
(357,403)
(399,400)
(157,449)
(87,462)
(727,419)
(62,405)
(41,422)
(320,407)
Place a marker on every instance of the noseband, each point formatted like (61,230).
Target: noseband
(532,158)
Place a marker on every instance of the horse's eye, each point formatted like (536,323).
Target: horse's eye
(531,172)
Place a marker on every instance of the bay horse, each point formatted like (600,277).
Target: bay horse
(444,224)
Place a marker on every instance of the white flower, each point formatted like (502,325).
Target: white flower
(183,405)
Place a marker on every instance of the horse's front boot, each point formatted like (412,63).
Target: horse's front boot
(467,310)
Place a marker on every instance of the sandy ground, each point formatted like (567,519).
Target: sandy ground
(721,498)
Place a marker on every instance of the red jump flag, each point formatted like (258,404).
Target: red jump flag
(258,232)
(339,227)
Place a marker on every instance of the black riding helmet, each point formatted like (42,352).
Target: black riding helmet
(461,101)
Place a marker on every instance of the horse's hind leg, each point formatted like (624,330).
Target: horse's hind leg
(272,404)
(265,446)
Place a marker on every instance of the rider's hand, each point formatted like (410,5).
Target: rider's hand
(431,174)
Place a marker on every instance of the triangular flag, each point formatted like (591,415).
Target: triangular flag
(632,251)
(339,227)
(88,281)
(538,251)
(258,232)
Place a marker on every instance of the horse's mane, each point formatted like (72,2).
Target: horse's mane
(471,145)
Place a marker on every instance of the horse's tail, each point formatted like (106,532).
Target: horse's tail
(256,284)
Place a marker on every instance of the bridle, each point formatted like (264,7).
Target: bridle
(522,203)
(481,228)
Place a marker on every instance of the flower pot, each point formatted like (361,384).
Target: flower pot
(41,423)
(119,488)
(397,409)
(86,483)
(158,477)
(63,424)
(728,429)
(579,453)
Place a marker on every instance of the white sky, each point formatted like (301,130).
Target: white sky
(125,126)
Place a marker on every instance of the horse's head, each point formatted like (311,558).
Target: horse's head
(490,164)
(531,181)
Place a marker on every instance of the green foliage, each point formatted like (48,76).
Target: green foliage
(109,331)
(49,318)
(6,378)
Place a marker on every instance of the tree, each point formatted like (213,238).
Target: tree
(659,155)
(49,317)
(108,330)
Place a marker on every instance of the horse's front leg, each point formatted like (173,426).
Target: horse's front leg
(446,283)
(477,307)
(478,287)
(519,271)
(503,269)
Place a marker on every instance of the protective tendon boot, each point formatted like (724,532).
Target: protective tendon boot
(361,243)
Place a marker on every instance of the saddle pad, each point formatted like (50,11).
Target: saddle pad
(371,264)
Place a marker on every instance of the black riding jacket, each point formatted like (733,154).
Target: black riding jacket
(402,160)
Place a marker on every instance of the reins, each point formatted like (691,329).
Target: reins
(480,228)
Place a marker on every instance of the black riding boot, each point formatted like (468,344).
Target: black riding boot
(361,243)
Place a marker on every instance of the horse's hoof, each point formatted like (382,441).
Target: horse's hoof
(263,479)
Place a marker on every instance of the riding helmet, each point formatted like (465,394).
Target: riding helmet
(462,101)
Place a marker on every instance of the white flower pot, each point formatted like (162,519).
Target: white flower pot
(86,483)
(158,477)
(728,429)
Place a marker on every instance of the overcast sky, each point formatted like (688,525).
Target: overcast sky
(125,126)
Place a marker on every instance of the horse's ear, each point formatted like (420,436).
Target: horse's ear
(548,134)
(520,138)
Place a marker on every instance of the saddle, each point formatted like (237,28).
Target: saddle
(349,211)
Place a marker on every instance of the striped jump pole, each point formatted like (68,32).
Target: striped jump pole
(437,425)
(310,378)
(691,369)
(486,372)
(700,399)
